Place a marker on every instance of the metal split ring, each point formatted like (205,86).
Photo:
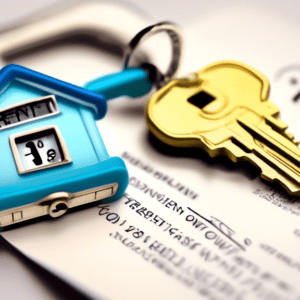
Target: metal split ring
(174,33)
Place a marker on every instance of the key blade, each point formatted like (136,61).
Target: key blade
(278,152)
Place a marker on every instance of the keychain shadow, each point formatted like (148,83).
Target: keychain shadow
(244,168)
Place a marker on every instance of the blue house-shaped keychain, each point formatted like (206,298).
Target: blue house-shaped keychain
(52,156)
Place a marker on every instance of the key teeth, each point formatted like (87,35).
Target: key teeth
(291,137)
(281,128)
(296,143)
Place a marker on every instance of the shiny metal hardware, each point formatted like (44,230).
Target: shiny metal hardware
(101,21)
(177,45)
(138,81)
(56,204)
(58,208)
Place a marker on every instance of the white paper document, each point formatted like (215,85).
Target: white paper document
(189,226)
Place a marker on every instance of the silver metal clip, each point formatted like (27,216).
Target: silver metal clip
(177,48)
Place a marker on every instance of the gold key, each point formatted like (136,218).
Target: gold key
(224,109)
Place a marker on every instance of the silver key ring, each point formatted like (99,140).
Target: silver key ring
(177,44)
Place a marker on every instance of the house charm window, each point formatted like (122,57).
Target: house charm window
(39,149)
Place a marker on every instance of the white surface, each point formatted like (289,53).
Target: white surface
(81,246)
